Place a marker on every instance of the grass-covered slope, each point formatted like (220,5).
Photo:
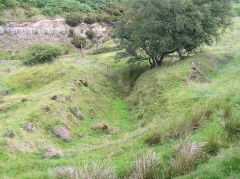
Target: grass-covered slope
(180,120)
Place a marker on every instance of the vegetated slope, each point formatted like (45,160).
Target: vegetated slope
(21,10)
(182,117)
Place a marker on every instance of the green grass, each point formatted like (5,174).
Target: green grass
(155,110)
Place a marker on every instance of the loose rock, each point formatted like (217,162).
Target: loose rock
(54,98)
(9,133)
(24,100)
(77,113)
(29,127)
(62,133)
(2,101)
(52,153)
(5,92)
(65,123)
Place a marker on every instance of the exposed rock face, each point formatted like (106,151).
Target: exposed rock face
(29,127)
(62,133)
(52,153)
(55,31)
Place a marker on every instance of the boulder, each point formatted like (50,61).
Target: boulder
(9,133)
(29,127)
(77,113)
(6,30)
(62,133)
(2,101)
(5,92)
(1,31)
(12,32)
(52,153)
(96,90)
(55,97)
(65,123)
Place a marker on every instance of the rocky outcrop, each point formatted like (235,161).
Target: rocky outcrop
(62,133)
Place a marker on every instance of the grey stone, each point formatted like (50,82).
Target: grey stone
(52,153)
(77,113)
(35,31)
(96,90)
(62,31)
(19,31)
(47,32)
(5,92)
(62,133)
(65,123)
(6,30)
(12,32)
(1,31)
(29,127)
(9,134)
(28,32)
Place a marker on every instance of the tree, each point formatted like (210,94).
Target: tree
(151,29)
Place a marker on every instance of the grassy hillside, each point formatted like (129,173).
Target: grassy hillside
(180,120)
(21,10)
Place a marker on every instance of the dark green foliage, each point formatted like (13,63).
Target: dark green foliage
(73,19)
(212,146)
(6,4)
(79,42)
(41,53)
(104,50)
(90,19)
(150,30)
(71,33)
(54,7)
(90,34)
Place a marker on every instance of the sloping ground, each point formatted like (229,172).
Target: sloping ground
(20,34)
(186,112)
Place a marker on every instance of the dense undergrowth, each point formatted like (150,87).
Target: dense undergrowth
(103,10)
(180,120)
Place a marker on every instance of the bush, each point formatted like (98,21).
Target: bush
(71,33)
(104,50)
(41,53)
(187,158)
(90,19)
(90,34)
(73,19)
(8,4)
(147,167)
(79,42)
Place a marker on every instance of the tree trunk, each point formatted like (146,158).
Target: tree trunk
(180,54)
(159,62)
(152,63)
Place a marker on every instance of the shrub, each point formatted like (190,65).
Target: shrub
(187,158)
(73,19)
(212,146)
(110,19)
(95,170)
(90,34)
(41,53)
(71,33)
(79,42)
(90,19)
(8,3)
(147,167)
(104,50)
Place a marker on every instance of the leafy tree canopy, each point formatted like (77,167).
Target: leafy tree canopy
(152,29)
